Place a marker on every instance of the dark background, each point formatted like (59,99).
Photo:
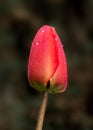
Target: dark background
(19,103)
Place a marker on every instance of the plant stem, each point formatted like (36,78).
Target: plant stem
(42,112)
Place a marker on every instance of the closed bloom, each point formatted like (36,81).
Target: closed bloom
(47,68)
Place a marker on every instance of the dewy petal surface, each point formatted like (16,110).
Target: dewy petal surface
(60,76)
(43,59)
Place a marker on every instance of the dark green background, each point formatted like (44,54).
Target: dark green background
(19,103)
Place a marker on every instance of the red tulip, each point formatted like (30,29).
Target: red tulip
(47,68)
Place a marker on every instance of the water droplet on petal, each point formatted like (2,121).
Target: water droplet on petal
(53,29)
(43,31)
(37,43)
(56,39)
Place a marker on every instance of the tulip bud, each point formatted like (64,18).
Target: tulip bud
(47,68)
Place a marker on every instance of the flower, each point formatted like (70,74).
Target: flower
(47,67)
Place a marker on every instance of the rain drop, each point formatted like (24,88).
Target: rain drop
(56,39)
(37,43)
(53,29)
(43,31)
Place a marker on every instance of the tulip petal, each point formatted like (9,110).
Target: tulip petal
(43,59)
(60,76)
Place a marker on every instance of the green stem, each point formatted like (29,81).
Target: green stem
(42,112)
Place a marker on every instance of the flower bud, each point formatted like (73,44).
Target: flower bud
(47,68)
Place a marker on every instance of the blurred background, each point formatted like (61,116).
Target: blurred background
(19,103)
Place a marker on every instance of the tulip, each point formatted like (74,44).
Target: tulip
(47,67)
